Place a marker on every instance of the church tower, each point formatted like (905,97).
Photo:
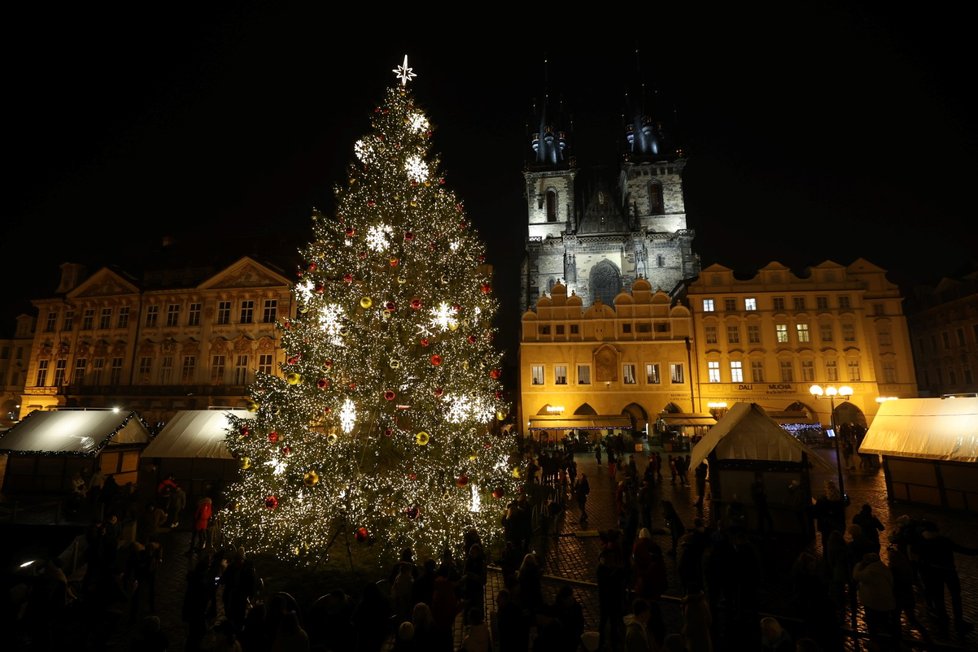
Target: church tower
(596,230)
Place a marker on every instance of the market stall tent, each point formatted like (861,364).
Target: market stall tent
(46,448)
(929,448)
(191,447)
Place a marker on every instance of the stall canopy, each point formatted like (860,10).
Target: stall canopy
(195,434)
(73,432)
(746,432)
(683,419)
(580,422)
(927,428)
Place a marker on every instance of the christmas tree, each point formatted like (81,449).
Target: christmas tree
(381,427)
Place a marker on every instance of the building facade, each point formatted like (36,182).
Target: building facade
(769,338)
(182,339)
(14,354)
(944,332)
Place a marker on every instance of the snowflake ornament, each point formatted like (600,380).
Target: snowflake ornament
(417,122)
(378,237)
(416,168)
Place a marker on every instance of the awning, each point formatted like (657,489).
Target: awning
(580,422)
(792,416)
(928,428)
(73,432)
(195,433)
(683,419)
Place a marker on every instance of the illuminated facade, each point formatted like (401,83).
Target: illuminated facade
(14,354)
(603,366)
(174,340)
(769,338)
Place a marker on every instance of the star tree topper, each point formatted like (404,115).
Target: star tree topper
(404,73)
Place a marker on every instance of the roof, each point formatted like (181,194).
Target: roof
(746,432)
(73,432)
(928,428)
(195,433)
(686,419)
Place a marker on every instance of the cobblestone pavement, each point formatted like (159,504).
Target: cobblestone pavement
(570,556)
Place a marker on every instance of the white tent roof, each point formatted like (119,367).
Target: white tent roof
(195,433)
(746,432)
(929,428)
(74,432)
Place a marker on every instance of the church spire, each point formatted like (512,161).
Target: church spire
(548,139)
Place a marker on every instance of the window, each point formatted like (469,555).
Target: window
(644,327)
(98,370)
(933,343)
(711,334)
(822,303)
(123,317)
(730,305)
(559,329)
(676,373)
(652,373)
(42,373)
(574,329)
(88,319)
(583,374)
(269,311)
(152,316)
(757,371)
(831,371)
(808,370)
(189,369)
(825,332)
(952,377)
(105,319)
(166,370)
(878,310)
(247,311)
(803,334)
(960,334)
(193,314)
(889,372)
(543,329)
(536,374)
(264,363)
(628,374)
(660,260)
(173,315)
(560,374)
(946,340)
(844,302)
(736,371)
(852,369)
(886,339)
(78,377)
(798,302)
(626,328)
(69,322)
(217,369)
(733,334)
(551,206)
(60,366)
(115,372)
(753,333)
(145,367)
(52,322)
(849,332)
(707,305)
(779,303)
(750,304)
(787,371)
(241,370)
(781,331)
(655,199)
(713,371)
(224,312)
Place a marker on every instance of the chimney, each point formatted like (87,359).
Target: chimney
(71,276)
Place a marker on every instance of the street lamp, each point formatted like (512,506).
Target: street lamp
(831,392)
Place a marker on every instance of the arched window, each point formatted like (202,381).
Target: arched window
(605,281)
(656,206)
(551,206)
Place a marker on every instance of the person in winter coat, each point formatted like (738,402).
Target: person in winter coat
(876,594)
(870,525)
(637,636)
(202,517)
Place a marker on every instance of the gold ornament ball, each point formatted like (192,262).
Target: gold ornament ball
(310,478)
(366,302)
(293,378)
(332,438)
(245,462)
(500,416)
(395,363)
(422,438)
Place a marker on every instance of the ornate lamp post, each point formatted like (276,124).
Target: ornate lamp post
(831,392)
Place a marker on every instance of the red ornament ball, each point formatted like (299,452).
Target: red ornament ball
(394,262)
(412,512)
(436,359)
(438,392)
(328,364)
(313,266)
(486,288)
(416,303)
(286,450)
(409,236)
(362,534)
(388,432)
(498,493)
(389,395)
(320,288)
(390,306)
(273,437)
(471,339)
(462,480)
(322,383)
(348,278)
(425,341)
(350,231)
(363,255)
(271,502)
(245,431)
(495,374)
(294,359)
(456,307)
(352,386)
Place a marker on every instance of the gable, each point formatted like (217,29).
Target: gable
(245,273)
(103,283)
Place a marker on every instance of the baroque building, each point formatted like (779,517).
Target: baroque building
(179,338)
(944,333)
(597,231)
(769,338)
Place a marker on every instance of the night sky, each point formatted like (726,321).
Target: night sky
(811,135)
